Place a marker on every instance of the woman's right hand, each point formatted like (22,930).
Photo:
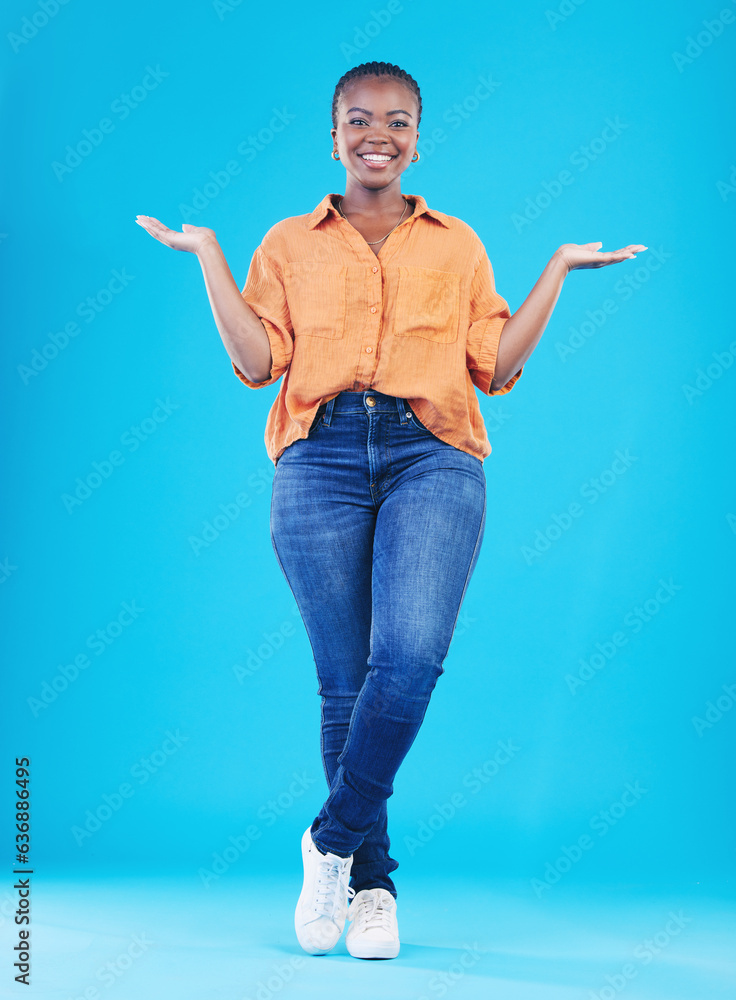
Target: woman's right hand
(192,239)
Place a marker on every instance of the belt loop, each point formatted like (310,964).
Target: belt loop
(327,415)
(402,406)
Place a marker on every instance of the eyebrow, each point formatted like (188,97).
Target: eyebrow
(396,111)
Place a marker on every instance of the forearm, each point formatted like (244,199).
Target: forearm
(242,332)
(522,333)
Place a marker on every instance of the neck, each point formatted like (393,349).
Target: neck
(374,202)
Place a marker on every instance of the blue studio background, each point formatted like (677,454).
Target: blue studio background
(157,672)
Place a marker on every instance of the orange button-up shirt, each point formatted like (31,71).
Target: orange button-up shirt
(421,320)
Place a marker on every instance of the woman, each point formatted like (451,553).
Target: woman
(382,316)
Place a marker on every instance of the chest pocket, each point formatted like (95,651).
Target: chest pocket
(428,304)
(316,293)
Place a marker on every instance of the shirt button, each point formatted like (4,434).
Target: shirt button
(368,350)
(375,269)
(373,309)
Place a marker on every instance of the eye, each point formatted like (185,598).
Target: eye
(359,121)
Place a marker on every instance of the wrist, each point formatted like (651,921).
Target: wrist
(558,262)
(207,246)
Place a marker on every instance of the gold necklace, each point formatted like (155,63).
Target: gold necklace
(373,242)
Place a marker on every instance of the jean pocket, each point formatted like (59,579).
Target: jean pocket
(317,421)
(415,422)
(316,294)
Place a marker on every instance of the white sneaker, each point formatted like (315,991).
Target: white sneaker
(320,913)
(373,932)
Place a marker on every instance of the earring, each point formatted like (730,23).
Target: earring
(415,157)
(334,156)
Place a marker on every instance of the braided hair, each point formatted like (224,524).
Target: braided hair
(375,69)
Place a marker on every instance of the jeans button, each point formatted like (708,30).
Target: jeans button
(370,401)
(408,413)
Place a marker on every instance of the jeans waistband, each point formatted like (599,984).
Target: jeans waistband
(368,401)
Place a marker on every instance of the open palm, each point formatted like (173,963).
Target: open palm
(192,239)
(577,255)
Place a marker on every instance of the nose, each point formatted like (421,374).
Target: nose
(378,133)
(380,144)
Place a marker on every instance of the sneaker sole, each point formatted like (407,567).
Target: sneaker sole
(372,950)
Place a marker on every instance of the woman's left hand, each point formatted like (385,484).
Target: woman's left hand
(577,255)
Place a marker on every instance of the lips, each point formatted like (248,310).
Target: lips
(377,160)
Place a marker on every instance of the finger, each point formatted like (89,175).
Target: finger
(159,225)
(629,251)
(154,223)
(148,227)
(156,232)
(163,234)
(616,255)
(160,233)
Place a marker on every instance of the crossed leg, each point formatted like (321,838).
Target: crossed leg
(379,593)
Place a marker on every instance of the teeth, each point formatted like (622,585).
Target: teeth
(375,156)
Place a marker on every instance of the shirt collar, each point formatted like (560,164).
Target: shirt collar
(327,206)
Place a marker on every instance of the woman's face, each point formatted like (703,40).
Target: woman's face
(376,117)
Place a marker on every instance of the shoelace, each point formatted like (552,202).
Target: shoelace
(332,893)
(371,911)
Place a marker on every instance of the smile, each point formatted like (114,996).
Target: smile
(376,159)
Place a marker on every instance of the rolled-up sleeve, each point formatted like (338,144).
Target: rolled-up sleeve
(489,313)
(265,294)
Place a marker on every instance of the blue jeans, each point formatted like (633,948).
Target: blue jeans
(377,526)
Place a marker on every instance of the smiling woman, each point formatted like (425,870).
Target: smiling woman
(379,138)
(382,316)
